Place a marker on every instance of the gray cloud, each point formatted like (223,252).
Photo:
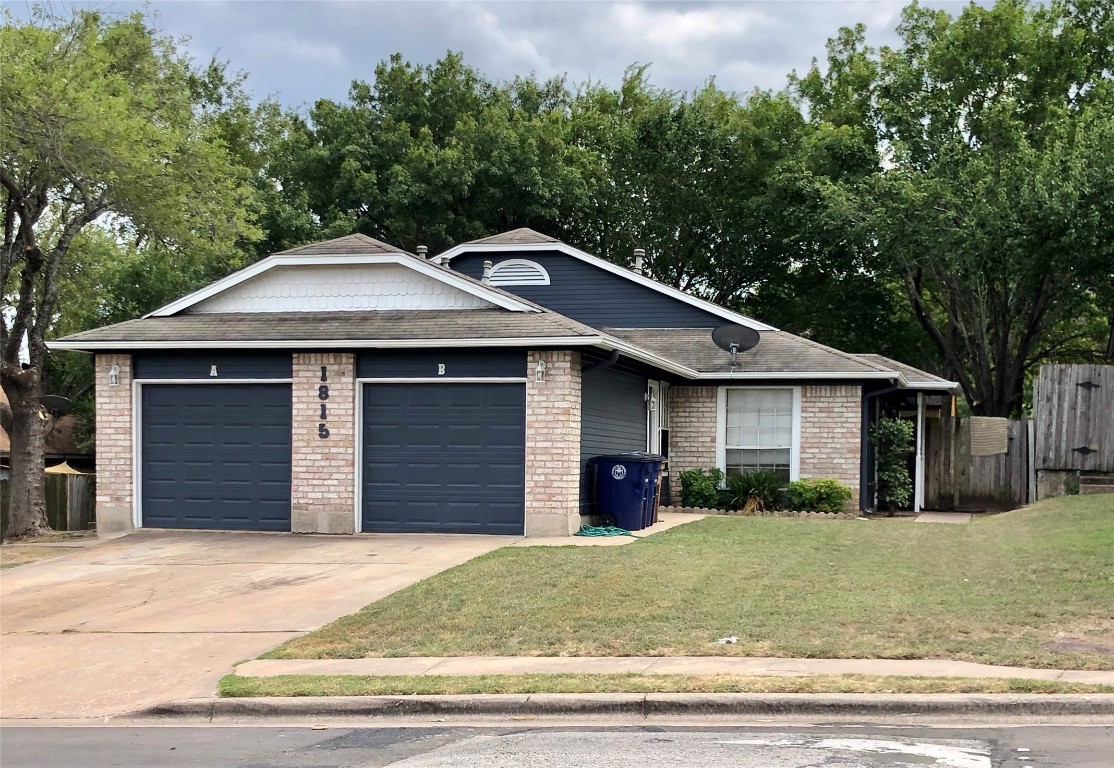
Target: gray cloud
(303,51)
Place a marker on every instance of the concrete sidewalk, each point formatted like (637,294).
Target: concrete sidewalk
(674,665)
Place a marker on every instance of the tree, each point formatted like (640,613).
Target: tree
(991,213)
(101,128)
(995,209)
(436,155)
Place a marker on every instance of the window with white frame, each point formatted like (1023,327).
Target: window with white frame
(758,430)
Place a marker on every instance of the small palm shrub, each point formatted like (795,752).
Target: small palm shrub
(756,491)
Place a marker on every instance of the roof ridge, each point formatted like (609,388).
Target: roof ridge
(510,236)
(316,246)
(841,353)
(894,361)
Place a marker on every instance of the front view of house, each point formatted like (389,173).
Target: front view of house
(350,386)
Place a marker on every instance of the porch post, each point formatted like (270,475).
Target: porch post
(918,487)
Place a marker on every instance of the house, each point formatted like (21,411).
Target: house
(350,386)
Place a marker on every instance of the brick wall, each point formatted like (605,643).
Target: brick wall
(692,430)
(830,432)
(323,471)
(553,444)
(114,444)
(831,425)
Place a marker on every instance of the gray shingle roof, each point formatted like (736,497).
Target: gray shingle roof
(405,325)
(520,236)
(349,244)
(915,376)
(777,352)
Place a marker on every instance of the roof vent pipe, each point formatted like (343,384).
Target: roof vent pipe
(423,252)
(639,260)
(487,273)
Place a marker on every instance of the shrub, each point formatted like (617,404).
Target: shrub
(820,494)
(757,490)
(700,487)
(893,442)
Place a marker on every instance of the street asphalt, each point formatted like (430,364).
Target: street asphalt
(846,745)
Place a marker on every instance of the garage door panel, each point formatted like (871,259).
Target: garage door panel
(216,456)
(444,457)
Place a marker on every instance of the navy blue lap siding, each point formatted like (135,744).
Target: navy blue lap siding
(198,364)
(448,458)
(592,295)
(216,456)
(612,420)
(423,363)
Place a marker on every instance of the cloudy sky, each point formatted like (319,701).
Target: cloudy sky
(302,51)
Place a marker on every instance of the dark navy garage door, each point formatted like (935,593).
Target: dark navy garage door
(444,457)
(216,456)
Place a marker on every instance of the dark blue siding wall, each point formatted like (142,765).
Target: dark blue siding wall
(592,296)
(231,364)
(423,363)
(612,419)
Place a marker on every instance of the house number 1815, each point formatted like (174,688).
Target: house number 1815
(323,395)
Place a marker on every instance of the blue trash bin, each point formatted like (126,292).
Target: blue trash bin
(624,488)
(651,468)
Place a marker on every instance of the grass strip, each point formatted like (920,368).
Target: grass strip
(234,686)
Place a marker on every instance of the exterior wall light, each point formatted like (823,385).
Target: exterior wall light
(114,375)
(539,371)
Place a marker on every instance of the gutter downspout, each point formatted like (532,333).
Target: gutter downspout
(864,449)
(602,363)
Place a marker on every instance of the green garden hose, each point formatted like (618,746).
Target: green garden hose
(602,530)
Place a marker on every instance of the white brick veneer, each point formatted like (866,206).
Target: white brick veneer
(114,444)
(553,444)
(830,432)
(323,470)
(831,428)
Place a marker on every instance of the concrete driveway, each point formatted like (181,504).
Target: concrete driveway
(157,616)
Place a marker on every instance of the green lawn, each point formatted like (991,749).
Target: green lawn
(993,591)
(428,685)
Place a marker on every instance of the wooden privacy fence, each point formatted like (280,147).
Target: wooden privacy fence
(1073,406)
(954,479)
(69,502)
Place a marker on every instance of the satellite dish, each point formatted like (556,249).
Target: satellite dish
(735,339)
(56,405)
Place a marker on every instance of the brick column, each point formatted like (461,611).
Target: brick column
(692,430)
(553,444)
(114,443)
(323,469)
(831,431)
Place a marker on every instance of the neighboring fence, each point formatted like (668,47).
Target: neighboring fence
(1073,406)
(69,502)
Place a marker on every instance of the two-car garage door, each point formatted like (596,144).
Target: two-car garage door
(436,457)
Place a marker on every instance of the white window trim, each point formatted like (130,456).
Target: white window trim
(721,430)
(519,263)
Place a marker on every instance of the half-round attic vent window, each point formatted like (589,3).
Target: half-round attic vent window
(519,272)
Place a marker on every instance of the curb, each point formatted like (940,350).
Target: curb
(642,705)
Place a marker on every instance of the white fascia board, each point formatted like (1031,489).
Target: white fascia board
(615,269)
(418,265)
(935,386)
(808,375)
(532,341)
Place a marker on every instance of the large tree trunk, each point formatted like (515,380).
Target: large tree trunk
(27,499)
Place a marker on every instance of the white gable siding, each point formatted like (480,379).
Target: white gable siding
(338,289)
